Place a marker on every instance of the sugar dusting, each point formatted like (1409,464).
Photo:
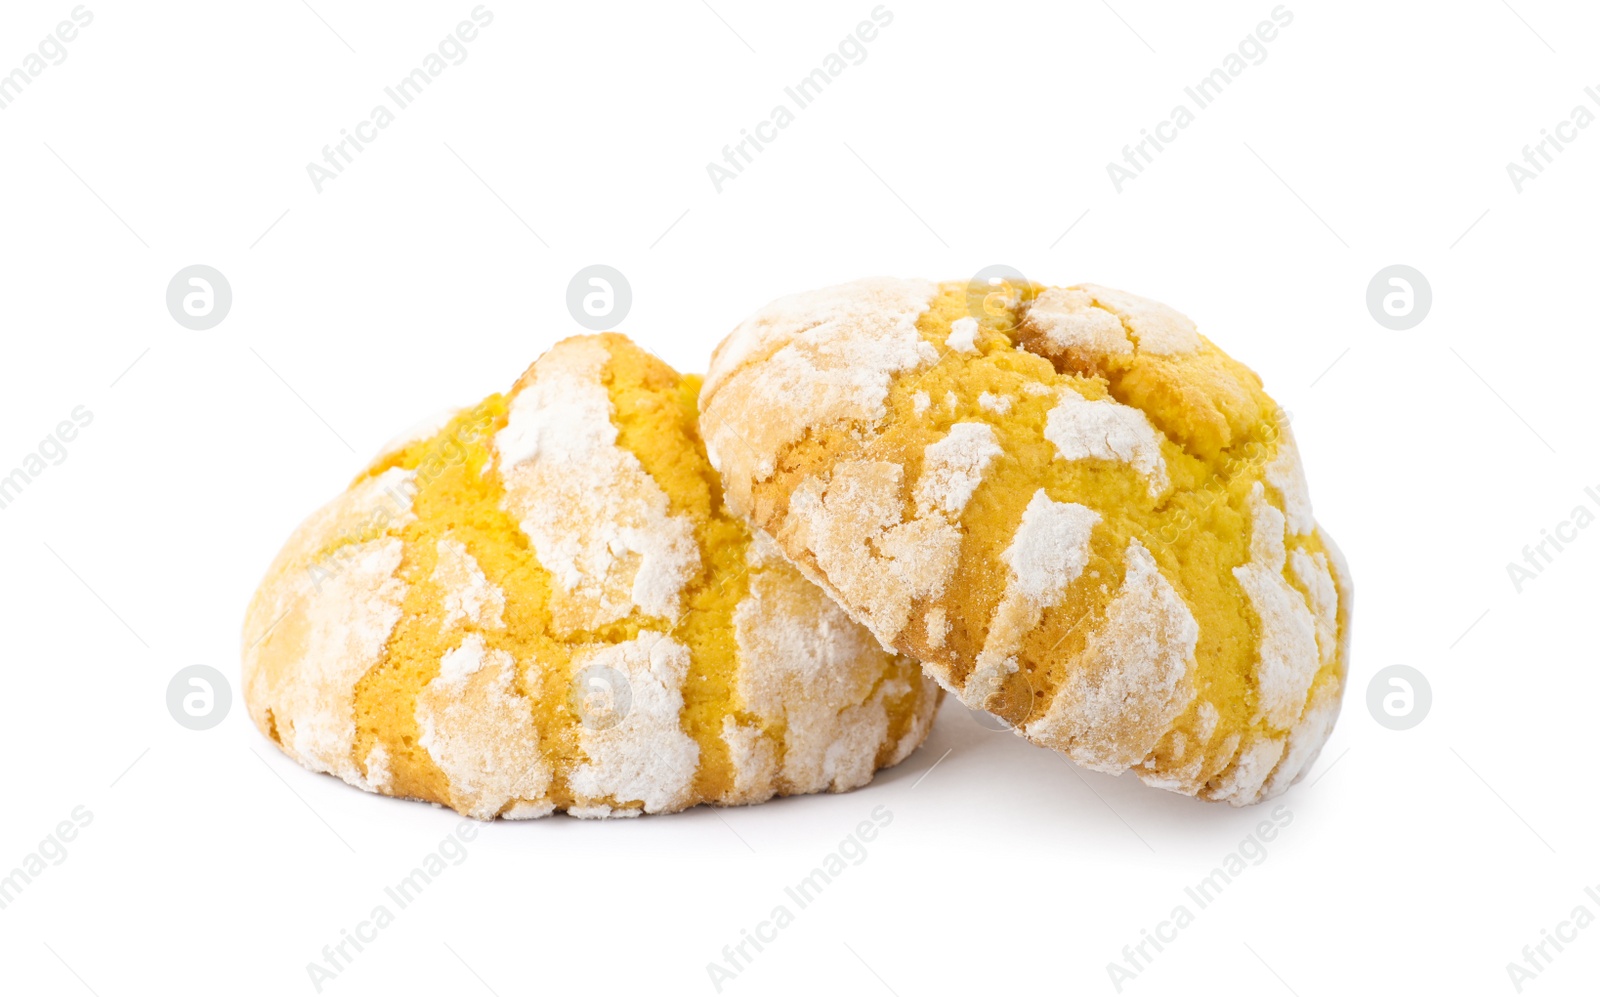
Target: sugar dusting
(378,775)
(1316,577)
(754,757)
(1048,551)
(1306,739)
(1286,654)
(953,467)
(597,520)
(335,625)
(1067,321)
(1050,548)
(852,525)
(645,759)
(809,362)
(468,596)
(1134,678)
(1241,783)
(991,402)
(805,667)
(1158,328)
(322,619)
(481,732)
(963,335)
(1107,430)
(1289,478)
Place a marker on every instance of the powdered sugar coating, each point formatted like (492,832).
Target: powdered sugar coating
(1134,678)
(345,621)
(1106,429)
(1305,740)
(1157,328)
(645,760)
(469,597)
(853,526)
(376,765)
(754,757)
(1287,652)
(1050,548)
(991,402)
(322,619)
(1241,783)
(481,732)
(1287,476)
(1066,319)
(963,335)
(1048,551)
(801,664)
(815,360)
(848,760)
(953,467)
(598,522)
(804,666)
(1315,576)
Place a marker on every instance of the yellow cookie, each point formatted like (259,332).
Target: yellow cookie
(1075,510)
(542,605)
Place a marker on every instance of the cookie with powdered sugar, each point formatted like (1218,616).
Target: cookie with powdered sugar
(542,605)
(1076,511)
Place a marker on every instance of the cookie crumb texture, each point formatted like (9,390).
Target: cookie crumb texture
(543,605)
(1076,511)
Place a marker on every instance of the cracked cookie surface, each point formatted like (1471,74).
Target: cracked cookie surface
(542,605)
(1074,509)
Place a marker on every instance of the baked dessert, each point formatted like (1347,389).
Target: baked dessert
(1075,510)
(542,605)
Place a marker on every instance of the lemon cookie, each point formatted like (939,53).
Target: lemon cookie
(543,605)
(1075,510)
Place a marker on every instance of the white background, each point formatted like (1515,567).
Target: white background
(1374,133)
